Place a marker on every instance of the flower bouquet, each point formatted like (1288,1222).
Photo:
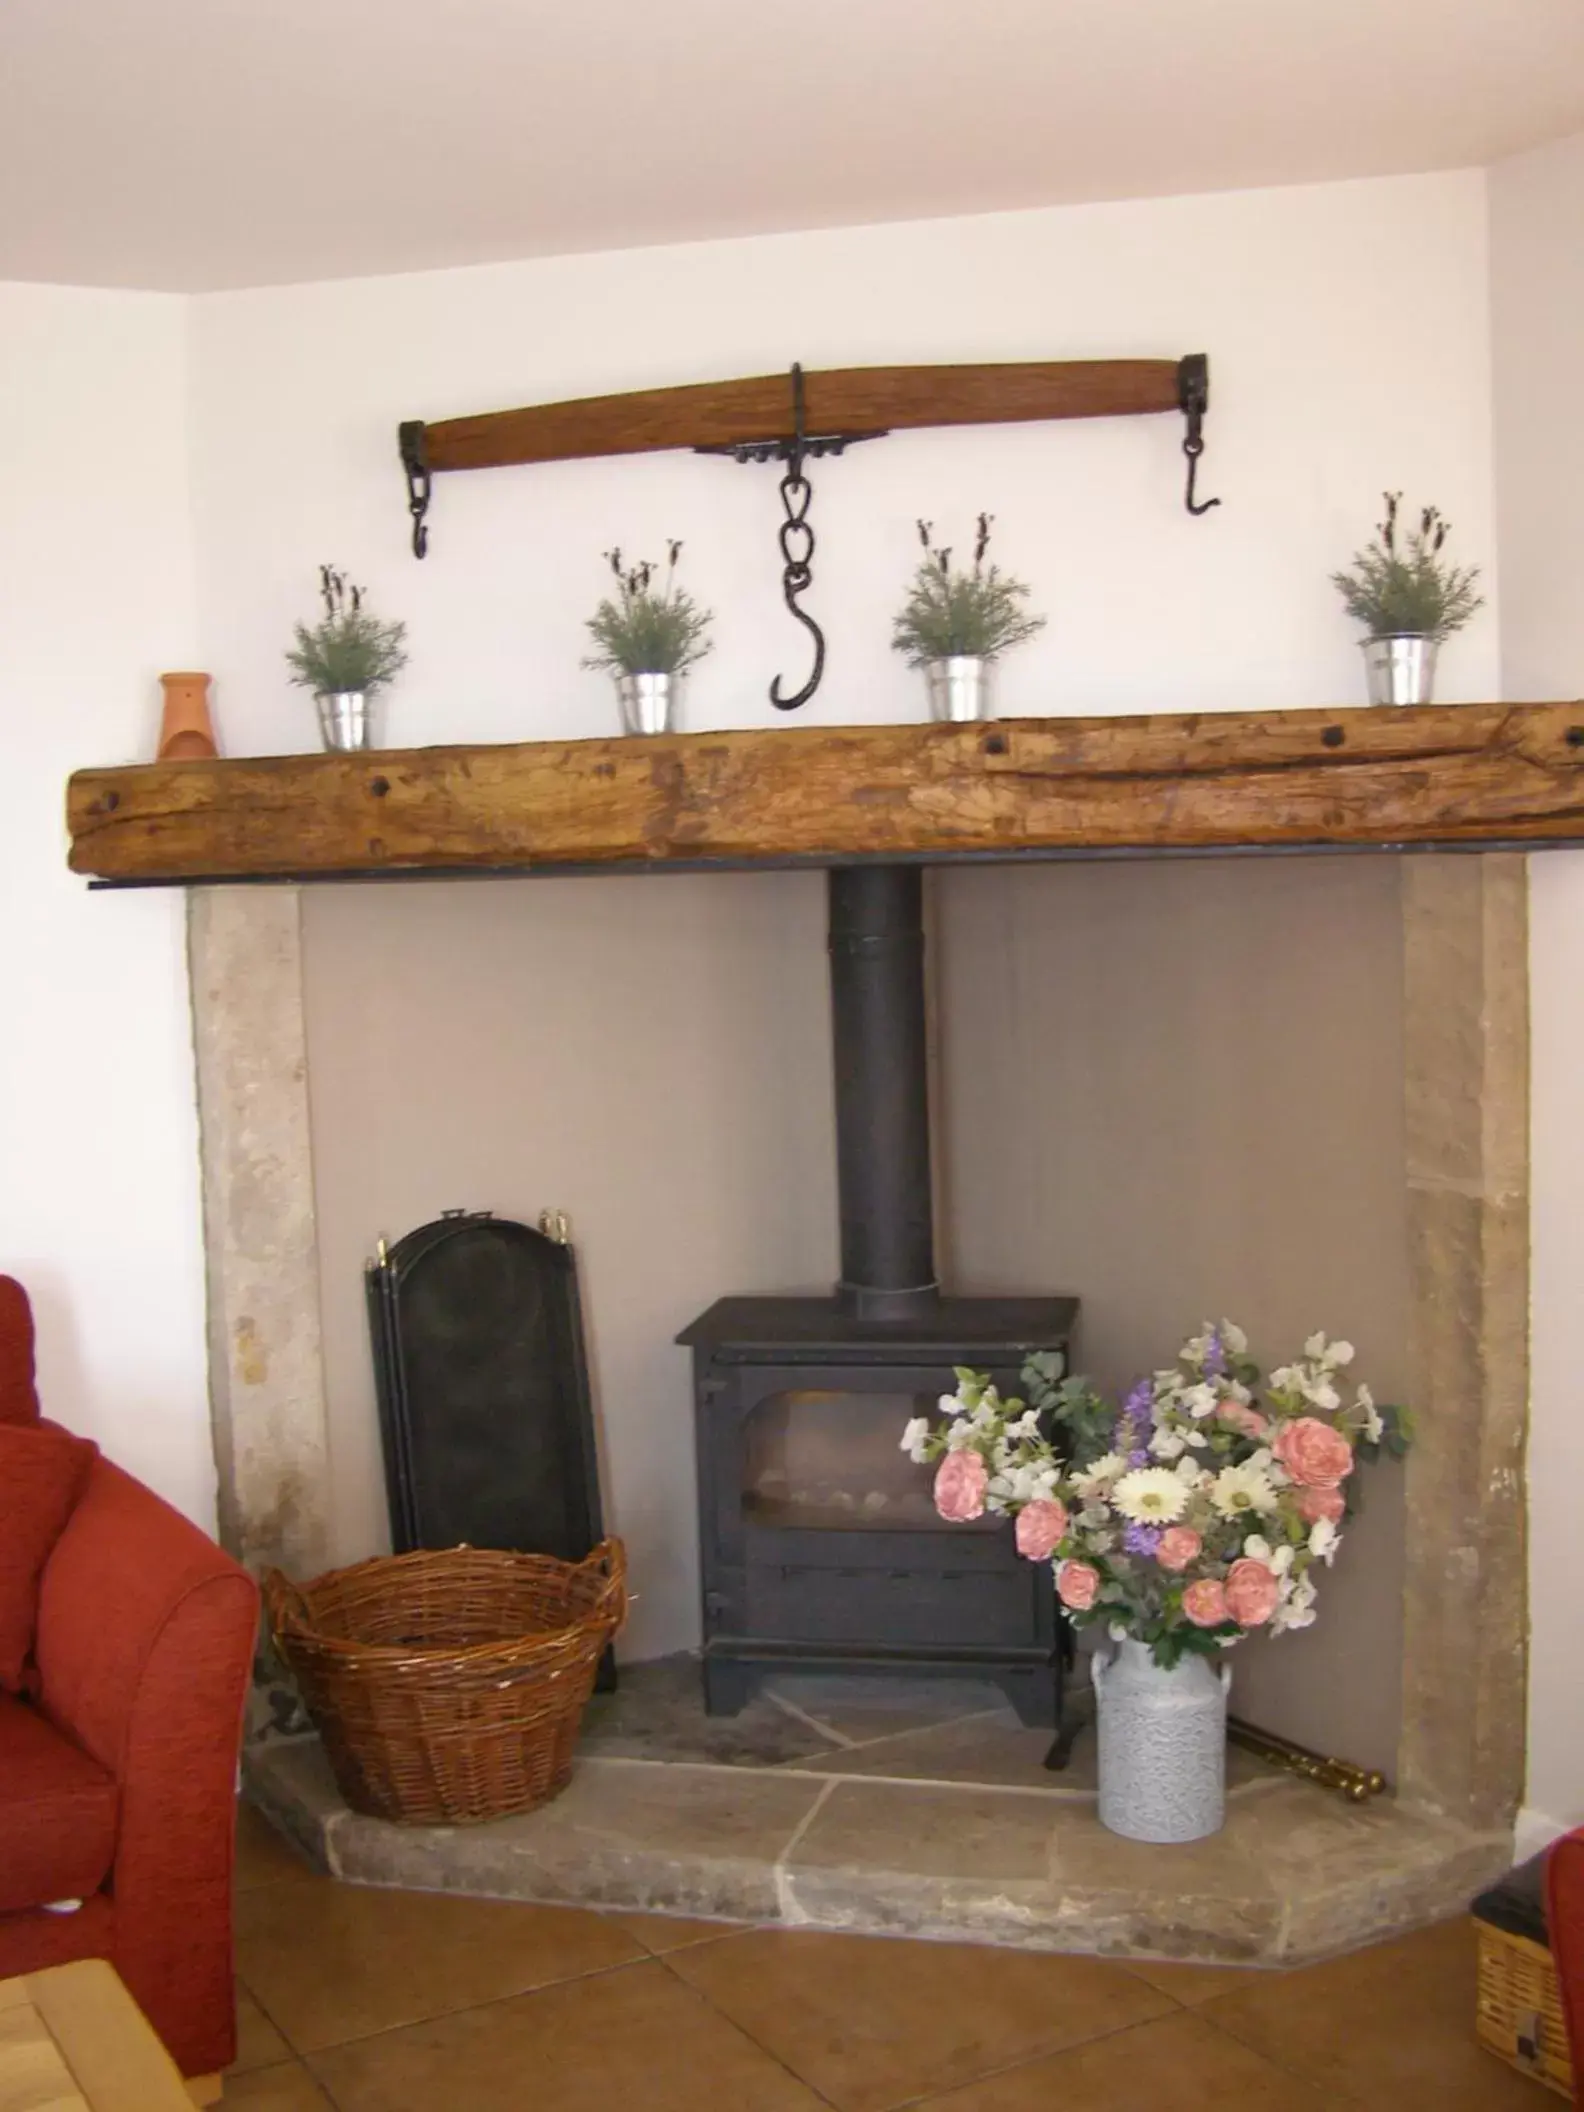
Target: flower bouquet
(1202,1508)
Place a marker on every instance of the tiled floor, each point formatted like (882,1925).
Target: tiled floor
(373,2001)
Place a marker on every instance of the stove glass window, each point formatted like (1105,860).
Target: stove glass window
(834,1460)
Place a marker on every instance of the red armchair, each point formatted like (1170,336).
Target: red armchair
(118,1771)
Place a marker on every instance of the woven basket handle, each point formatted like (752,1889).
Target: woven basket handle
(284,1604)
(610,1560)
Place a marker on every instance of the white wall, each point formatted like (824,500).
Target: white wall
(1537,287)
(1320,400)
(1318,405)
(98,1168)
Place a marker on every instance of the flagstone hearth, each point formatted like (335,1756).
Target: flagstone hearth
(903,1809)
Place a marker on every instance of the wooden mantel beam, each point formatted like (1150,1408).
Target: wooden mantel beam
(1452,775)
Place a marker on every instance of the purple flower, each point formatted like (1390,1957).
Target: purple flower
(1138,1457)
(1142,1539)
(1134,1422)
(1215,1355)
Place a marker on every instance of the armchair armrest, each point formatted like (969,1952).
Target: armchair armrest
(145,1641)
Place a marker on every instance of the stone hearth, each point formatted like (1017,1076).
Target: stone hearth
(893,1808)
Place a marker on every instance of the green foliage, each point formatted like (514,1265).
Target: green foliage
(1400,586)
(648,629)
(977,614)
(348,648)
(1071,1403)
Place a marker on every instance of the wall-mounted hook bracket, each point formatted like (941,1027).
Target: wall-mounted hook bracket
(796,535)
(410,439)
(1193,397)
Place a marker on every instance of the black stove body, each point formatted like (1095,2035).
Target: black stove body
(820,1543)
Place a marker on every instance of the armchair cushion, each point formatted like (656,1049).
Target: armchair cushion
(57,1814)
(18,1400)
(42,1471)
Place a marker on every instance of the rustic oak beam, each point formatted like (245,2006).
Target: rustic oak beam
(1443,775)
(857,401)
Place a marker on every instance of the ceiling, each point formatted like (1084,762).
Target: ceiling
(194,144)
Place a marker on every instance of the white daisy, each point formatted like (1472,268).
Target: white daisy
(1238,1490)
(1098,1476)
(1150,1496)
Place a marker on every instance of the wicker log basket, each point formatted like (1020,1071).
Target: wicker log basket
(449,1687)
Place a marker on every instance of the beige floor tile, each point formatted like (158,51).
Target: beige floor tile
(332,1962)
(259,2044)
(289,2088)
(631,2039)
(659,1933)
(872,2023)
(1384,2028)
(263,1856)
(1193,1984)
(1177,2064)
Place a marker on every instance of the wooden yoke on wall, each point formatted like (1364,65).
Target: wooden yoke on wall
(794,418)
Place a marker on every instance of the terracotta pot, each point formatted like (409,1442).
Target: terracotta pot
(186,730)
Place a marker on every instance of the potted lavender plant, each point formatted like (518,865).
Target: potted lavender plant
(347,658)
(1409,598)
(955,625)
(648,637)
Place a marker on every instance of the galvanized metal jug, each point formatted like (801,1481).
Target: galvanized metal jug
(1162,1744)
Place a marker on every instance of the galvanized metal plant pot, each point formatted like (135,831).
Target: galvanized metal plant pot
(961,689)
(346,718)
(1162,1745)
(649,703)
(1401,669)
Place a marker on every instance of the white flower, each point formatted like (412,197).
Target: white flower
(1190,1473)
(1097,1477)
(961,1437)
(952,1404)
(1196,1438)
(1296,1607)
(1324,1540)
(1150,1496)
(1026,1425)
(1331,1354)
(1234,1338)
(1200,1401)
(1321,1393)
(914,1436)
(1029,1482)
(1374,1428)
(1237,1490)
(1166,1444)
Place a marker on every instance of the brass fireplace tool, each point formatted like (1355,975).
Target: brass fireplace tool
(1346,1777)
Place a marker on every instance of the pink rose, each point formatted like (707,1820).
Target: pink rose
(960,1487)
(1313,1453)
(1179,1545)
(1251,1592)
(1314,1504)
(1078,1585)
(1205,1603)
(1040,1525)
(1237,1415)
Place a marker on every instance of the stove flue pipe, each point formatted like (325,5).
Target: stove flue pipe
(882,1092)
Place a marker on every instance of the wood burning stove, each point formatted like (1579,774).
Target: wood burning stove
(820,1543)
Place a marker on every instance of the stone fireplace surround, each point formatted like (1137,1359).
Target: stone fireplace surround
(1460,1764)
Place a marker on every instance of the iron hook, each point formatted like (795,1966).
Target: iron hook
(410,440)
(1193,396)
(780,702)
(797,548)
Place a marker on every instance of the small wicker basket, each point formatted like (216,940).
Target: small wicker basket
(449,1687)
(1518,2007)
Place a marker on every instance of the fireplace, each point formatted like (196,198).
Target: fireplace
(820,1546)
